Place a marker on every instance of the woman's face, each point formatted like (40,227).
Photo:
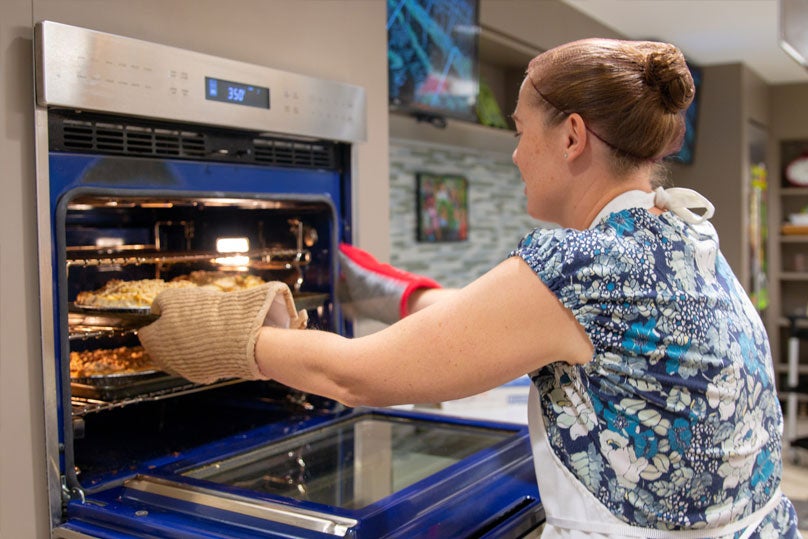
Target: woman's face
(538,155)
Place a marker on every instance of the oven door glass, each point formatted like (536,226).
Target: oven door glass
(353,463)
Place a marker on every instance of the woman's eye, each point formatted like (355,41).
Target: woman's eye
(517,134)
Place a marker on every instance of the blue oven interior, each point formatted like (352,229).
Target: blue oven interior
(151,454)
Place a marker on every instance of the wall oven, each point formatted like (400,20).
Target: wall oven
(157,165)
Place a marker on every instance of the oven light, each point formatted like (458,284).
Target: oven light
(108,243)
(232,245)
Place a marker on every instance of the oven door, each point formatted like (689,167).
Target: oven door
(363,473)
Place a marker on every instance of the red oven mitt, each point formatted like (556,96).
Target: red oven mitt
(375,290)
(205,335)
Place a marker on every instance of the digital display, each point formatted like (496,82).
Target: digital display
(236,92)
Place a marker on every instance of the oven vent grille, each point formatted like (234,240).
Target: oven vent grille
(293,153)
(102,134)
(131,139)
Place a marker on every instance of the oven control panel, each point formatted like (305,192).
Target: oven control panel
(89,70)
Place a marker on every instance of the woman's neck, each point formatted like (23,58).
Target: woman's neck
(593,198)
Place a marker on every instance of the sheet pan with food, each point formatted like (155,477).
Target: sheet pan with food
(109,370)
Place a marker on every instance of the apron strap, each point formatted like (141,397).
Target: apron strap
(677,200)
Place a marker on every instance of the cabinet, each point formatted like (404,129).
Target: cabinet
(793,259)
(786,316)
(798,334)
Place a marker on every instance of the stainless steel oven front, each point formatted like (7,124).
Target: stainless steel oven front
(158,166)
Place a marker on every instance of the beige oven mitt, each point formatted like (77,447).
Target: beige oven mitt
(205,335)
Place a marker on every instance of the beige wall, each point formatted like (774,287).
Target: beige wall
(543,24)
(788,106)
(23,494)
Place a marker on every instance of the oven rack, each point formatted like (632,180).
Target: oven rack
(87,324)
(86,332)
(268,258)
(84,405)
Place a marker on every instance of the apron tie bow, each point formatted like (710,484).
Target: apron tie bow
(679,201)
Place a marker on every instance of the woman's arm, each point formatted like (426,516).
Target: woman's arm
(423,298)
(501,326)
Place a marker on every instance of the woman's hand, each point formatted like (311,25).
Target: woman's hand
(204,335)
(374,290)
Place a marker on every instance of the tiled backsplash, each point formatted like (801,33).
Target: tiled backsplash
(497,216)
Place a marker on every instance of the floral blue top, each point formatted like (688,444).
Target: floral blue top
(675,421)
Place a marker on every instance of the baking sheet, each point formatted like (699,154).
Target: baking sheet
(110,310)
(303,300)
(112,388)
(85,324)
(116,377)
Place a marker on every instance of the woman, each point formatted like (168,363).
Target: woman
(653,411)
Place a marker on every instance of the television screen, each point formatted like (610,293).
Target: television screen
(685,154)
(432,57)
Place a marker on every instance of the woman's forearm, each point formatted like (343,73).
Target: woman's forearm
(298,359)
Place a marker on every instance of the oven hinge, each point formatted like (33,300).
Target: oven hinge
(70,493)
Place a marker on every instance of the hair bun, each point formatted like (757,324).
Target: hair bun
(667,72)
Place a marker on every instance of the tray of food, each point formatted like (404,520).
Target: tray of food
(119,296)
(106,363)
(113,374)
(135,297)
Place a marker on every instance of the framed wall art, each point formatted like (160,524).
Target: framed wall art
(442,206)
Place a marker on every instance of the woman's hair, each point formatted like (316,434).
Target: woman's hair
(631,94)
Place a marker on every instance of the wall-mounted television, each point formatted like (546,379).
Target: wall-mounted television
(432,54)
(685,153)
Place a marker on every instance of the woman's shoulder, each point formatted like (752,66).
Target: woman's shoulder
(618,228)
(619,242)
(555,254)
(546,244)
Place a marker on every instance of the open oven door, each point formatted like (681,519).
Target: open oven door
(364,473)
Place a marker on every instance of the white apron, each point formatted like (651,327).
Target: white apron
(572,511)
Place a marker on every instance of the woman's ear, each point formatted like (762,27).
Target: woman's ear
(575,135)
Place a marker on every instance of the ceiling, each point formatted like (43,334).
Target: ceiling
(709,32)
